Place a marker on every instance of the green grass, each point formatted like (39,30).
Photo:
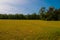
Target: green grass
(29,30)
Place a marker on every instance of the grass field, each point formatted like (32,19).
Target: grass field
(29,30)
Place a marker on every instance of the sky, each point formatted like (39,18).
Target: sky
(25,6)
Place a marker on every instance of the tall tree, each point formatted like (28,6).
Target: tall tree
(50,13)
(41,12)
(57,14)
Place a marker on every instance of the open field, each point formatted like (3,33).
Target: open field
(29,30)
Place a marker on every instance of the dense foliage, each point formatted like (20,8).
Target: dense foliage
(50,14)
(19,16)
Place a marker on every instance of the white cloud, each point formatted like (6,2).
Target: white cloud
(5,6)
(14,1)
(10,9)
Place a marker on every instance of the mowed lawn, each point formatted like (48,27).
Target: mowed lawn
(29,30)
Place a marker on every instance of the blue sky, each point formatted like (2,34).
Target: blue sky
(25,6)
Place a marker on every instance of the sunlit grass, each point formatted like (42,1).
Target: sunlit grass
(29,30)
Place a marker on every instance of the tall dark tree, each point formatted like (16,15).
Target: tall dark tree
(50,13)
(57,14)
(41,12)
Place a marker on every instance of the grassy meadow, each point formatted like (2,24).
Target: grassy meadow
(29,30)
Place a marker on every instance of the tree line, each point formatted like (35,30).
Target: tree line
(44,14)
(19,16)
(50,14)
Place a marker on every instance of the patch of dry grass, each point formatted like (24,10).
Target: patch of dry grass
(29,30)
